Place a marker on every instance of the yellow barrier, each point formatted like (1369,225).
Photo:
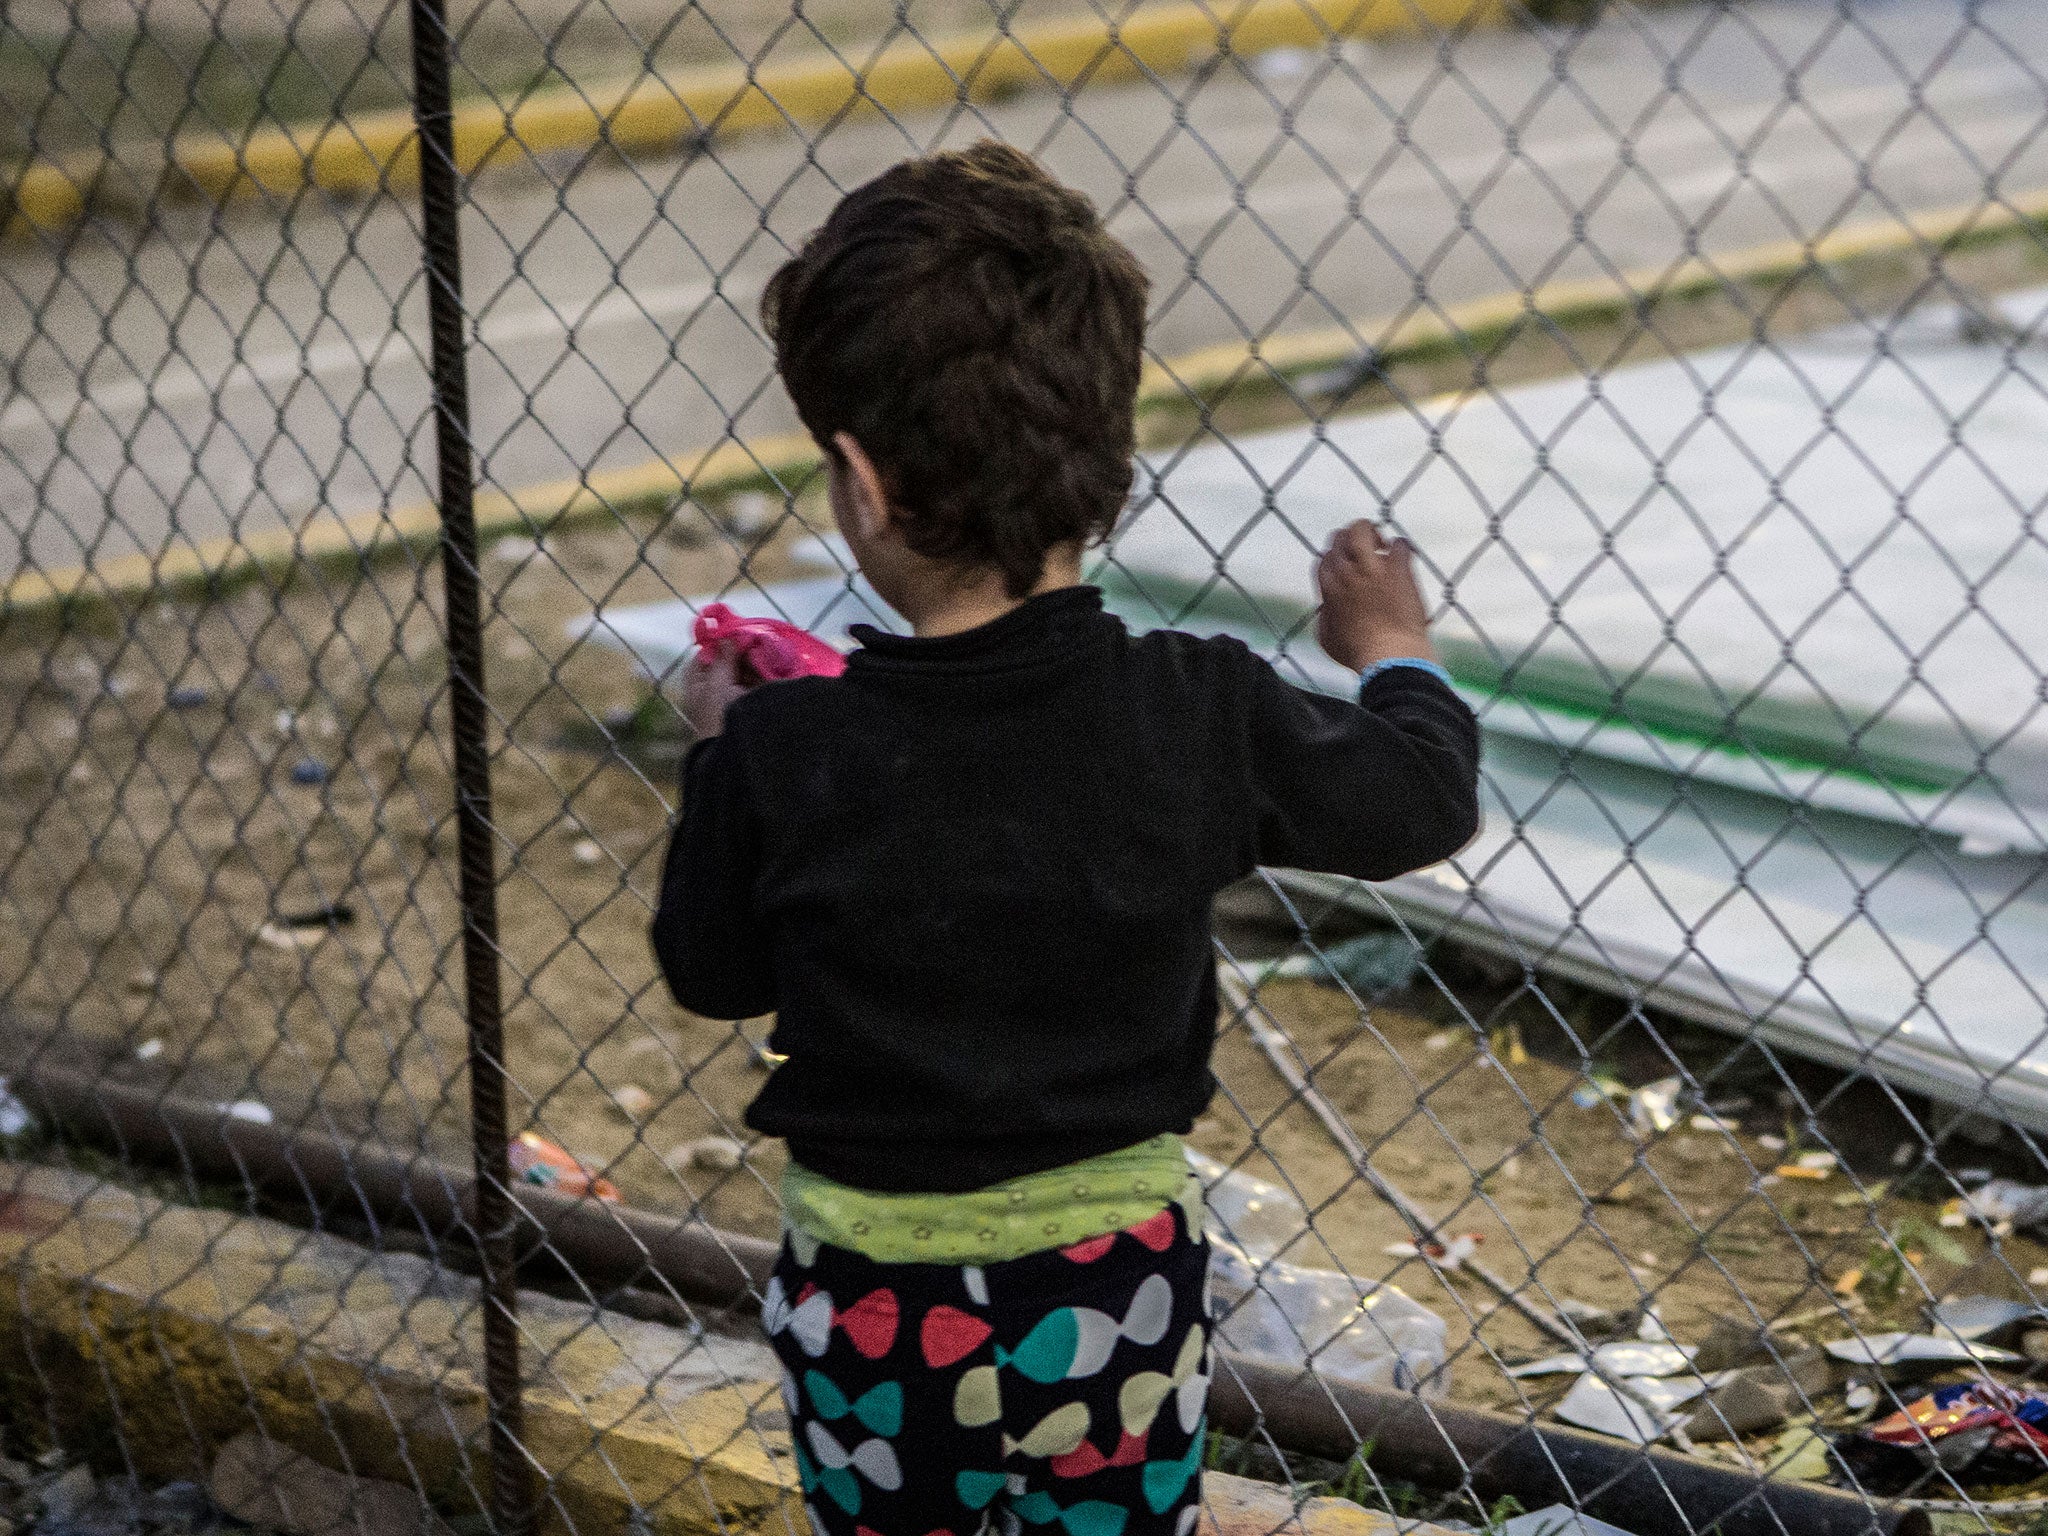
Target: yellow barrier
(659,114)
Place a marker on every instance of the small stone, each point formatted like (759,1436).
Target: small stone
(150,1049)
(587,851)
(143,981)
(714,1154)
(276,1489)
(286,721)
(634,1101)
(1440,1041)
(67,1493)
(309,770)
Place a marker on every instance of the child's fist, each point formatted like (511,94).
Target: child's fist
(710,682)
(1372,607)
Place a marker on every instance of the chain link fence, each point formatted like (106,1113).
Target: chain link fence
(385,394)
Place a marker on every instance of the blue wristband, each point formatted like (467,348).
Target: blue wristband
(1416,662)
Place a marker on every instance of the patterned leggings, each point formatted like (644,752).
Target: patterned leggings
(1062,1389)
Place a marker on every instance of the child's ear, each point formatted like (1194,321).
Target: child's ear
(866,498)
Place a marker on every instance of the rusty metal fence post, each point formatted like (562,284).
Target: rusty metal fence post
(492,1211)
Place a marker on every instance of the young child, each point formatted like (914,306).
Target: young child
(972,877)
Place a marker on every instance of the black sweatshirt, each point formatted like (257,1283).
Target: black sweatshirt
(972,877)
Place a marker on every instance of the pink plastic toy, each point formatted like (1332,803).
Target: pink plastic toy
(767,648)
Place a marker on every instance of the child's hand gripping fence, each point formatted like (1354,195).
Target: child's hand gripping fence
(1693,1110)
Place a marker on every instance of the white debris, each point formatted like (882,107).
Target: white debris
(248,1111)
(1771,1143)
(513,548)
(634,1101)
(15,1120)
(587,851)
(1819,1162)
(150,1049)
(1640,1409)
(1901,1348)
(714,1154)
(1653,1108)
(1630,1357)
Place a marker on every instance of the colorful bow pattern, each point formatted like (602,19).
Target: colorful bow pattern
(879,1409)
(869,1324)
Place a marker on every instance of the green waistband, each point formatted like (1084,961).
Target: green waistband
(1003,1221)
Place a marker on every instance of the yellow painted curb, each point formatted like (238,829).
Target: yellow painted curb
(1211,370)
(360,154)
(155,1333)
(1196,376)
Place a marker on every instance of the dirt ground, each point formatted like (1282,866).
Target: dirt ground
(155,847)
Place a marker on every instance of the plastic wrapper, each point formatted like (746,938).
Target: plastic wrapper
(1978,1432)
(1360,1331)
(536,1160)
(766,650)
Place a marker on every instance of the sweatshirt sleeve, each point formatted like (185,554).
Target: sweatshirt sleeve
(1372,789)
(706,935)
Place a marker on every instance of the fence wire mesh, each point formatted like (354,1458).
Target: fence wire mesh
(1697,1105)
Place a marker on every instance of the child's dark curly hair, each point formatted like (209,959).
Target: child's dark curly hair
(979,333)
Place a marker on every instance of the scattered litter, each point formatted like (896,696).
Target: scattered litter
(1849,1281)
(1797,1171)
(1640,1411)
(1586,1096)
(1556,1520)
(634,1101)
(1817,1162)
(2006,1200)
(143,982)
(1771,1143)
(15,1120)
(1371,963)
(1800,1454)
(286,721)
(1442,1040)
(1912,1349)
(1902,1154)
(536,1160)
(1979,1318)
(279,937)
(2034,1345)
(1708,1121)
(150,1049)
(1371,1334)
(1747,1405)
(1262,1219)
(587,851)
(1859,1397)
(1870,1194)
(1993,1433)
(513,548)
(331,914)
(1628,1358)
(188,696)
(1449,1255)
(248,1111)
(714,1154)
(309,770)
(1653,1108)
(2038,1275)
(1652,1330)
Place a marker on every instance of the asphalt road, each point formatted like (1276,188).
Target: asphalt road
(251,369)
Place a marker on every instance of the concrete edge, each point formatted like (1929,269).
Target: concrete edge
(1194,378)
(658,114)
(159,1333)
